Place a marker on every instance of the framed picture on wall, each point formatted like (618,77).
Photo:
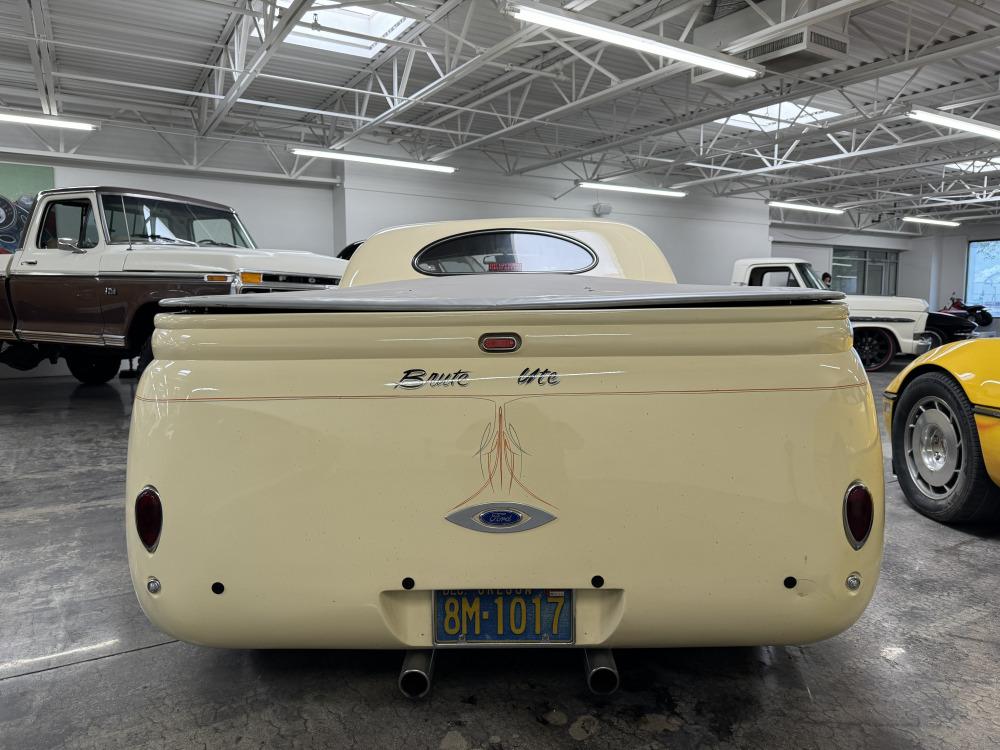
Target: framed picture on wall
(19,184)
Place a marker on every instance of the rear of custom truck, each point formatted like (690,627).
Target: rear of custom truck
(607,466)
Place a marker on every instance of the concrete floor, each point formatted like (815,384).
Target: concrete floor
(80,667)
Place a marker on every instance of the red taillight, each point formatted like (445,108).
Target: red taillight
(859,514)
(148,517)
(499,342)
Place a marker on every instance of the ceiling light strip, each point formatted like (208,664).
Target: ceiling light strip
(936,117)
(935,222)
(47,121)
(378,160)
(805,207)
(629,189)
(640,41)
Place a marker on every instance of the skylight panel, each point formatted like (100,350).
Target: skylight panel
(318,29)
(777,116)
(975,166)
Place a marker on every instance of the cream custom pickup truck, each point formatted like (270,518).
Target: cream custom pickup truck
(511,432)
(95,261)
(883,326)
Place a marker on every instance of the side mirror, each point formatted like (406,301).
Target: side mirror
(64,243)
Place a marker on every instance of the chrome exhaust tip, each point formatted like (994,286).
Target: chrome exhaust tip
(601,671)
(415,674)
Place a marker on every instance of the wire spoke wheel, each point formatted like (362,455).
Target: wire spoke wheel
(935,455)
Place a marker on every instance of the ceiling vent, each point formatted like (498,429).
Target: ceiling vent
(811,45)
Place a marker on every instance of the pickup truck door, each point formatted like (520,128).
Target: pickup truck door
(54,277)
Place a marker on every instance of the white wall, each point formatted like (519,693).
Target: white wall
(816,245)
(278,216)
(700,236)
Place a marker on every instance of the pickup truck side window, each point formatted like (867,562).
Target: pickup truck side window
(773,276)
(505,251)
(70,220)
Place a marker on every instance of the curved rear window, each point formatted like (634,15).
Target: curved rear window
(505,251)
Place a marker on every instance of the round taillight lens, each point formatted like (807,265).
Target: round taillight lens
(859,514)
(148,517)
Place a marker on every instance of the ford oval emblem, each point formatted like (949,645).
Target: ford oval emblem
(500,518)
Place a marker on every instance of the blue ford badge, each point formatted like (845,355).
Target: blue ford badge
(500,518)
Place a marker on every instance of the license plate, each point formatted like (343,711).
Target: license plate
(503,616)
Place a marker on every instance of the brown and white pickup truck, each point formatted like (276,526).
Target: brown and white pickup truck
(94,262)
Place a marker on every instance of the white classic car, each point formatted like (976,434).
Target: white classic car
(883,326)
(511,432)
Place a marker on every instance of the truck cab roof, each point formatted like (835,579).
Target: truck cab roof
(135,192)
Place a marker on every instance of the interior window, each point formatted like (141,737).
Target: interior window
(774,276)
(983,275)
(505,251)
(71,221)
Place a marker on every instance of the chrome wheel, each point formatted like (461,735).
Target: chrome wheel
(934,452)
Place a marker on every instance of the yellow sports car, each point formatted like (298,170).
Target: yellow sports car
(943,412)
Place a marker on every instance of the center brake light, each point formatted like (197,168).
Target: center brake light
(499,342)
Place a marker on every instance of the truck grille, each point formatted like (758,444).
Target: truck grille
(284,282)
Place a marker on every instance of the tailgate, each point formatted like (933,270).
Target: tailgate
(692,459)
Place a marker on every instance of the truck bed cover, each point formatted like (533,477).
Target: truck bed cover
(505,292)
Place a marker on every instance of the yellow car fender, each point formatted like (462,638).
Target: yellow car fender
(975,366)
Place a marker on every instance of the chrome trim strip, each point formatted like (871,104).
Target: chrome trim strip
(181,275)
(60,338)
(891,396)
(116,341)
(986,411)
(864,319)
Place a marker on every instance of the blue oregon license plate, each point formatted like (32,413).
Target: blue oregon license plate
(503,616)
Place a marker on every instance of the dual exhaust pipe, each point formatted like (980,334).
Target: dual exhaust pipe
(417,672)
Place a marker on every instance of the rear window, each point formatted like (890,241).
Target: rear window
(505,251)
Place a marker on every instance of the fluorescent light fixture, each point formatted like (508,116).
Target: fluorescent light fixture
(935,222)
(630,189)
(381,161)
(936,117)
(805,207)
(46,121)
(639,41)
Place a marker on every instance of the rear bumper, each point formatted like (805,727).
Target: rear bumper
(751,607)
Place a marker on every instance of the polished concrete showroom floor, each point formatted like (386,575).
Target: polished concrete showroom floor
(80,667)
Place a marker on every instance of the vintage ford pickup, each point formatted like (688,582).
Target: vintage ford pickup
(95,261)
(507,432)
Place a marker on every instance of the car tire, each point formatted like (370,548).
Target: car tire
(937,338)
(875,346)
(94,367)
(937,455)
